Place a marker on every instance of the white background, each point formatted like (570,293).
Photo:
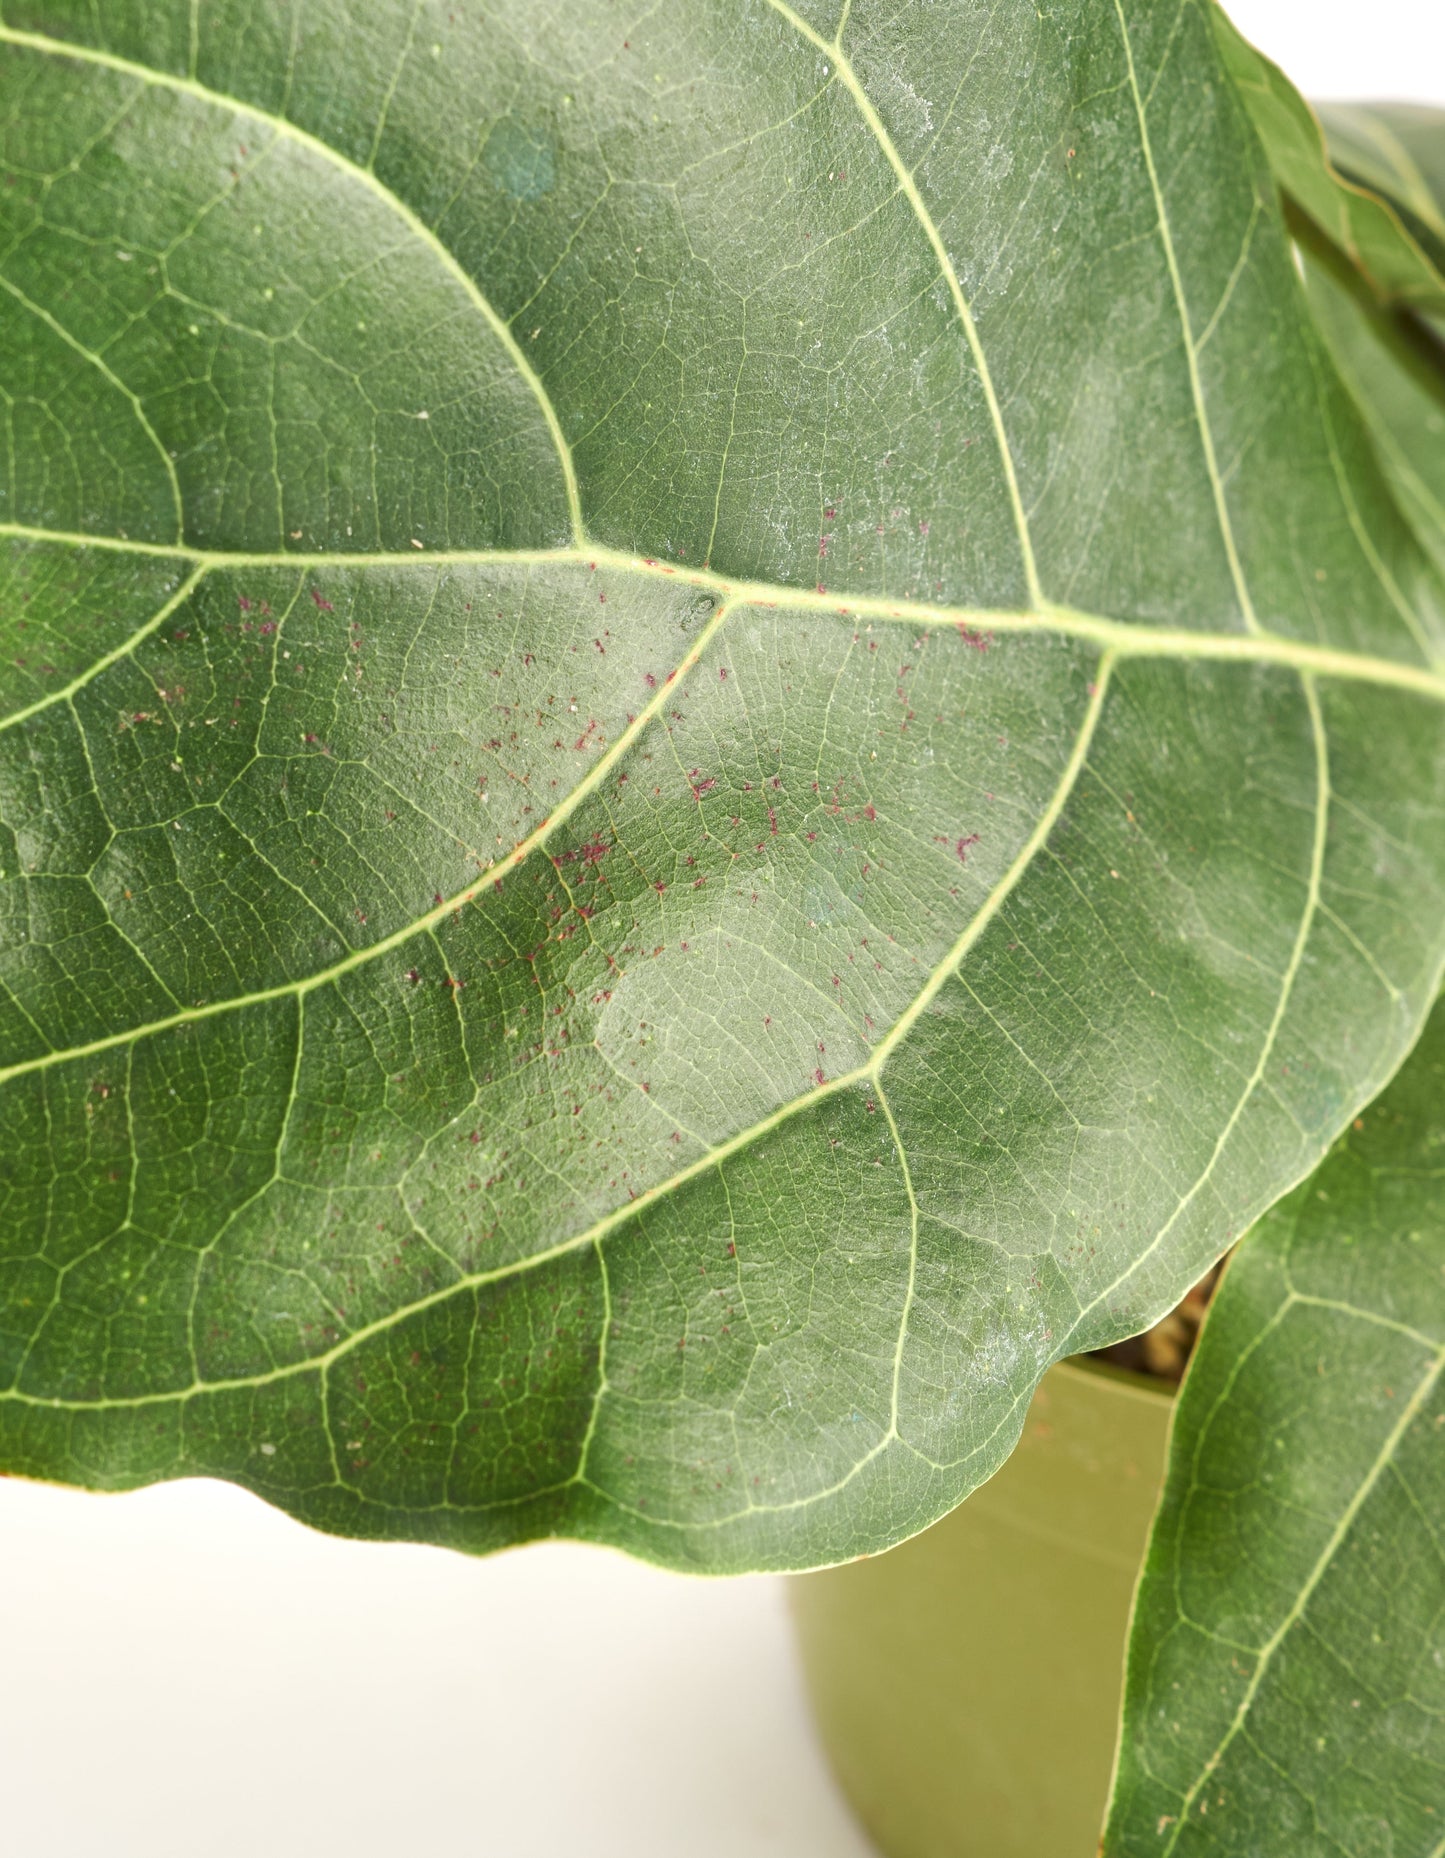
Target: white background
(187,1674)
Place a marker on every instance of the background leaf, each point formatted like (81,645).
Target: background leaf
(1362,186)
(1286,1680)
(1392,358)
(1395,365)
(686,784)
(1396,150)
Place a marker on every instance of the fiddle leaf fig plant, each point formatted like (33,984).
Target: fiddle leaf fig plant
(722,723)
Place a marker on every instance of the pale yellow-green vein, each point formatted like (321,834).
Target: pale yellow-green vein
(1124,638)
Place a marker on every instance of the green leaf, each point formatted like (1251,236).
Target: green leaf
(1397,150)
(1394,362)
(1286,1677)
(717,734)
(1392,358)
(1352,170)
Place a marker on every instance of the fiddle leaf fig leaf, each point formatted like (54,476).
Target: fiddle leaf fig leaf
(1394,362)
(716,733)
(1286,1668)
(1397,150)
(1392,358)
(1352,171)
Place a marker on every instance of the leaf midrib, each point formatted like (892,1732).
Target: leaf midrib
(1120,640)
(1127,638)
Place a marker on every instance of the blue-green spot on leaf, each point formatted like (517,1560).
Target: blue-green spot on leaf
(522,159)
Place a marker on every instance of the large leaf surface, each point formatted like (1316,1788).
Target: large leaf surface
(717,733)
(1286,1682)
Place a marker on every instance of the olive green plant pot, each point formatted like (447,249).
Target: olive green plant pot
(967,1683)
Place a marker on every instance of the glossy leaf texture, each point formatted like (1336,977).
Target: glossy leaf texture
(1353,169)
(717,734)
(1286,1679)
